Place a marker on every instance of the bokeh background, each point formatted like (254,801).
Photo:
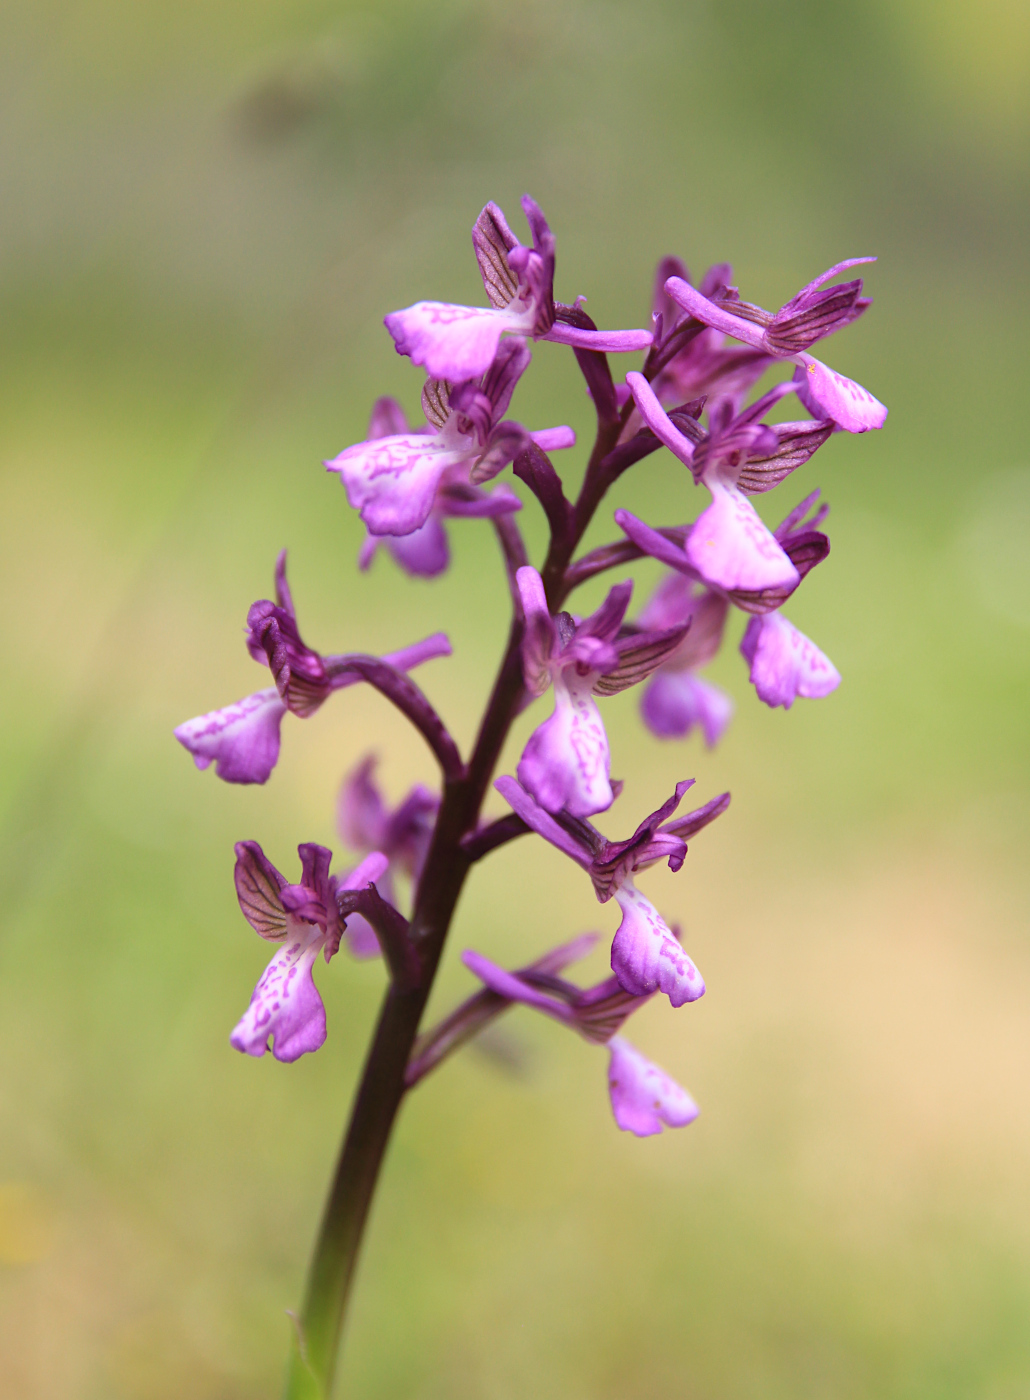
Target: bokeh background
(207,208)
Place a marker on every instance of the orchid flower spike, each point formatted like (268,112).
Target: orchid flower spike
(242,740)
(642,1096)
(394,480)
(566,764)
(646,955)
(402,834)
(460,342)
(304,918)
(787,335)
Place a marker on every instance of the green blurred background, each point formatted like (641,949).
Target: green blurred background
(207,208)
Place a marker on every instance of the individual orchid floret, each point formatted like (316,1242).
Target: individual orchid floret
(815,312)
(642,1096)
(646,955)
(460,342)
(394,481)
(425,552)
(304,918)
(729,546)
(803,544)
(676,699)
(243,739)
(403,835)
(690,360)
(566,764)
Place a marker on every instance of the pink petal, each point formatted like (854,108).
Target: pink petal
(646,956)
(554,439)
(828,394)
(242,739)
(452,342)
(566,764)
(613,342)
(392,481)
(731,547)
(644,1097)
(656,418)
(285,1004)
(784,663)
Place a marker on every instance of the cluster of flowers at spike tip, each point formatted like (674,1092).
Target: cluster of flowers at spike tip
(566,764)
(402,835)
(242,740)
(643,1097)
(306,920)
(646,956)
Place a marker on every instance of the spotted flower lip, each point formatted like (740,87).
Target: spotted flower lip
(394,481)
(459,342)
(644,1098)
(646,955)
(566,764)
(285,1006)
(807,317)
(784,663)
(243,739)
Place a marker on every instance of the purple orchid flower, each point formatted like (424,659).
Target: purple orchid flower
(815,312)
(403,835)
(784,663)
(676,698)
(425,552)
(566,764)
(804,547)
(729,547)
(642,1096)
(394,481)
(460,342)
(646,955)
(242,740)
(695,359)
(305,919)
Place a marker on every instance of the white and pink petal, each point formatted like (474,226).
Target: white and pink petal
(732,548)
(784,663)
(643,1097)
(285,1006)
(392,481)
(646,955)
(566,765)
(242,739)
